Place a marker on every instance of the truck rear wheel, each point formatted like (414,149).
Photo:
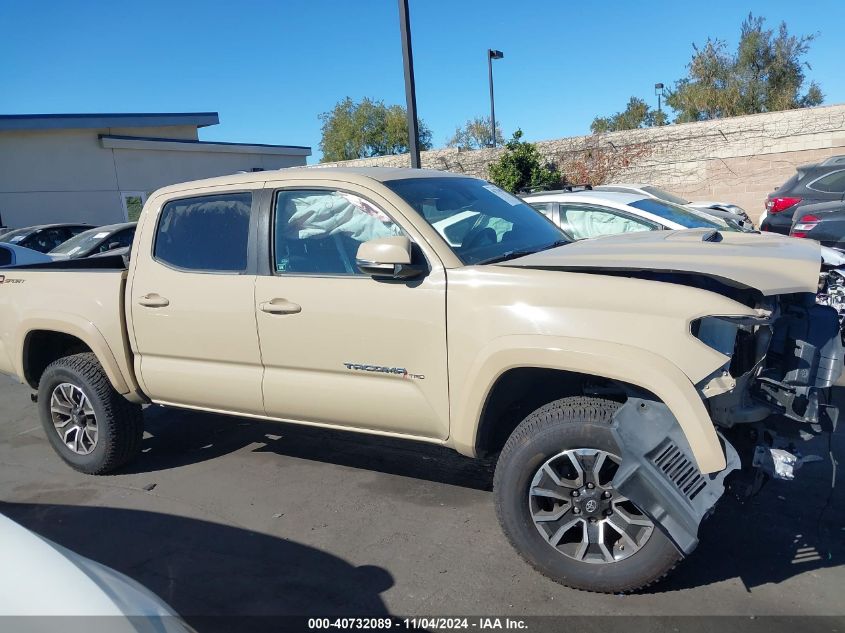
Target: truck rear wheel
(557,506)
(92,427)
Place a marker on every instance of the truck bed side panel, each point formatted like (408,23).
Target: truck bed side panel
(85,304)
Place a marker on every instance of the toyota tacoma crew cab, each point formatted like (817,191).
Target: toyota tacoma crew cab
(622,383)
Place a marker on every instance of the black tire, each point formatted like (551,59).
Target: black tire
(569,423)
(120,423)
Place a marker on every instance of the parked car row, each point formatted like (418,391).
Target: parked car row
(813,189)
(596,213)
(53,242)
(723,210)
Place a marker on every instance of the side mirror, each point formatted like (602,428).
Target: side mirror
(387,258)
(112,246)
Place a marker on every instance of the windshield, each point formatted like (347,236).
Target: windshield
(81,242)
(13,237)
(657,192)
(687,218)
(480,221)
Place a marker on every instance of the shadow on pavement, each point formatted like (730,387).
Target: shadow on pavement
(776,535)
(181,437)
(206,569)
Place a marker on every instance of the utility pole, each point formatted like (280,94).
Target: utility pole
(410,89)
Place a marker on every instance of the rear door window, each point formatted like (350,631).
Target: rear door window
(205,234)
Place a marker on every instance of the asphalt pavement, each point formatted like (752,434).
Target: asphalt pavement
(230,516)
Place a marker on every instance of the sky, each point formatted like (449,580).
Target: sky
(271,67)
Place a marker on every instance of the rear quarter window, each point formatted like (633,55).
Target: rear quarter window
(830,183)
(205,233)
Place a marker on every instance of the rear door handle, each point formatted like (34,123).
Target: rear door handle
(153,300)
(280,306)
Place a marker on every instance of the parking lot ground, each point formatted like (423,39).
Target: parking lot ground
(228,516)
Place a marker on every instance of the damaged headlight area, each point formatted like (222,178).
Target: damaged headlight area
(778,363)
(773,389)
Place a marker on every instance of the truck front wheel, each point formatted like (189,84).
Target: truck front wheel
(91,426)
(557,506)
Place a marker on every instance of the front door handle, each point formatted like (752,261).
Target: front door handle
(153,300)
(280,306)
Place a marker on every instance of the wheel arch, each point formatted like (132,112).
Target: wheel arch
(519,391)
(43,341)
(573,360)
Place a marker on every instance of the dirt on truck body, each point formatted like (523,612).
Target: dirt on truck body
(624,382)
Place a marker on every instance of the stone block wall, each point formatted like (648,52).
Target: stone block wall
(738,160)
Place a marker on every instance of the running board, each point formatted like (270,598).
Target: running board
(660,475)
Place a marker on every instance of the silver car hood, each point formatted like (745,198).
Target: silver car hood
(769,263)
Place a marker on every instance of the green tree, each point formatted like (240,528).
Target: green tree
(765,74)
(476,134)
(638,114)
(369,128)
(522,167)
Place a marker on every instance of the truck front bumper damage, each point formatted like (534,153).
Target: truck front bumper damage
(659,473)
(770,394)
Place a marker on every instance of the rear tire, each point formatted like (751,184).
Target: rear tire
(91,426)
(535,506)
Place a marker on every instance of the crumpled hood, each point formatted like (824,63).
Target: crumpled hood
(769,263)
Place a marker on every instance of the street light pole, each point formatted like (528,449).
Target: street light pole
(658,90)
(410,89)
(491,55)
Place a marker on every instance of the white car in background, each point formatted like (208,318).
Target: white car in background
(589,213)
(723,210)
(41,578)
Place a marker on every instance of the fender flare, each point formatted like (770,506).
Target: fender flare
(75,326)
(614,361)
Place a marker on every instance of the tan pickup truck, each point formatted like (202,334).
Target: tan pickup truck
(618,380)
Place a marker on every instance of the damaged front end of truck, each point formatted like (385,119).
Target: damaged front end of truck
(769,397)
(766,400)
(782,353)
(775,390)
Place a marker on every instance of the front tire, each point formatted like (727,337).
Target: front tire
(93,428)
(558,508)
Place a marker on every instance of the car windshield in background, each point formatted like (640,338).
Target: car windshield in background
(481,222)
(657,192)
(680,215)
(13,237)
(81,242)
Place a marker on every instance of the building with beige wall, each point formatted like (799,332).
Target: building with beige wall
(739,159)
(99,168)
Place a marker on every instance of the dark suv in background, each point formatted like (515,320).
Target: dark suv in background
(821,182)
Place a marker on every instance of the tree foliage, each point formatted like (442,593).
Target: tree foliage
(522,167)
(369,128)
(638,114)
(476,134)
(765,74)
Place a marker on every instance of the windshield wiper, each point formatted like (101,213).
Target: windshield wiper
(508,255)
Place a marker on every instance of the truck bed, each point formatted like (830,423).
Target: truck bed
(81,298)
